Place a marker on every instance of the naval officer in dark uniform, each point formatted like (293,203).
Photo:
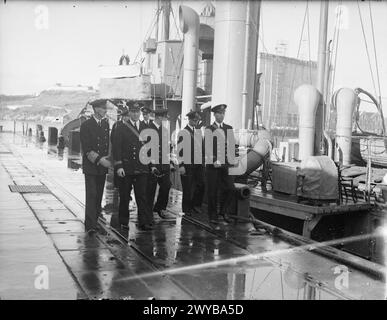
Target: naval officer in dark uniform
(94,136)
(192,171)
(145,115)
(217,177)
(160,172)
(127,148)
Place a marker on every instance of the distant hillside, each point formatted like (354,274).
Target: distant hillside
(52,103)
(6,98)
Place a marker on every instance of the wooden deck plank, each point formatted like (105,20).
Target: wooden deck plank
(288,206)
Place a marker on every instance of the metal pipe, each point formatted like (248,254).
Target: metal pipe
(157,21)
(369,170)
(246,64)
(306,98)
(330,144)
(189,25)
(166,14)
(346,100)
(252,159)
(326,85)
(321,62)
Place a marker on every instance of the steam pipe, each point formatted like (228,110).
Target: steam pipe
(189,25)
(329,141)
(246,64)
(307,99)
(346,100)
(252,159)
(321,64)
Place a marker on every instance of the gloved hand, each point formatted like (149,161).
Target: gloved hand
(155,171)
(217,164)
(182,170)
(105,162)
(121,172)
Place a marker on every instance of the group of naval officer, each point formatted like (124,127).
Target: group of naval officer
(122,149)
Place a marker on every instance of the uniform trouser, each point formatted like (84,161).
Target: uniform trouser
(94,191)
(164,182)
(192,182)
(124,193)
(218,179)
(199,188)
(139,183)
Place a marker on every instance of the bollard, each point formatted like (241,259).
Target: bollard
(42,138)
(52,135)
(61,143)
(241,208)
(39,128)
(74,142)
(242,195)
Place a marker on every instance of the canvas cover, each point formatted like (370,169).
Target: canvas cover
(284,177)
(320,180)
(132,88)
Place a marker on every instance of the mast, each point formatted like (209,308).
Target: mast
(249,50)
(321,66)
(166,13)
(157,21)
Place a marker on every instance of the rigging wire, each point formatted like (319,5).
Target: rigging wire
(174,21)
(151,27)
(366,46)
(376,58)
(180,57)
(309,55)
(333,54)
(336,37)
(295,67)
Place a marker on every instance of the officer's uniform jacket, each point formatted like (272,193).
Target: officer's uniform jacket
(95,145)
(113,131)
(150,122)
(227,129)
(197,146)
(161,166)
(127,147)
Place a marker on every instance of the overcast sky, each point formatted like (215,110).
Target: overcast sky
(78,36)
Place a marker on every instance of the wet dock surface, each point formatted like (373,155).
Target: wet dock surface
(181,259)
